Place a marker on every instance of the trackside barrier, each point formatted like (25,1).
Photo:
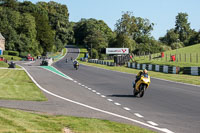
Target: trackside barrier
(152,67)
(101,62)
(191,70)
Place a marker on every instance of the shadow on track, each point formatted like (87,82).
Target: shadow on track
(131,96)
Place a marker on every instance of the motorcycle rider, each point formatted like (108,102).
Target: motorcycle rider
(138,76)
(75,63)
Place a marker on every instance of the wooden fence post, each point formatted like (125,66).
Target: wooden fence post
(185,58)
(197,57)
(190,57)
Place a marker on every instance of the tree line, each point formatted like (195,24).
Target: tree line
(44,27)
(34,28)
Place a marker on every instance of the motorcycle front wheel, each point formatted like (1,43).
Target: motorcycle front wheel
(142,89)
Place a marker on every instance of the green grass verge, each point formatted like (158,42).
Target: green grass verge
(16,85)
(8,57)
(22,122)
(60,55)
(82,52)
(173,77)
(3,64)
(183,57)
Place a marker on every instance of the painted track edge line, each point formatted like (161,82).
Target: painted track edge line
(96,109)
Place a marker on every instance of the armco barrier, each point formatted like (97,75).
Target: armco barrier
(152,67)
(101,62)
(191,70)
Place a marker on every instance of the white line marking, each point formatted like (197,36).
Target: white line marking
(103,96)
(126,108)
(79,83)
(83,85)
(166,130)
(93,91)
(138,115)
(110,100)
(96,109)
(117,104)
(86,87)
(152,123)
(89,89)
(98,93)
(75,81)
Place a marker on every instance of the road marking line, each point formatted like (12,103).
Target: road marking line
(79,83)
(103,96)
(110,100)
(93,91)
(75,81)
(97,109)
(152,123)
(89,89)
(166,130)
(126,108)
(83,85)
(86,87)
(138,115)
(98,93)
(117,104)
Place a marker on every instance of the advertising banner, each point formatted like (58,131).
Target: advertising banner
(117,50)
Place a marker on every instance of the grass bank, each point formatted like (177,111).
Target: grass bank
(16,85)
(186,57)
(22,122)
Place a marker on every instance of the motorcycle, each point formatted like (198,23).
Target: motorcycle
(76,65)
(141,86)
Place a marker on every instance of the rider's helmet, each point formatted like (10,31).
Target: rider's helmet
(145,71)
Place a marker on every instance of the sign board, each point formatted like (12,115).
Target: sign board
(117,50)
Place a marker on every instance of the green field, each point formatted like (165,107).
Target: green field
(27,122)
(185,57)
(10,57)
(16,85)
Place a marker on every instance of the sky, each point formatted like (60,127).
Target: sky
(160,12)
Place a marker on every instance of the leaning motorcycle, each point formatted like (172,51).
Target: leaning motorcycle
(76,66)
(141,86)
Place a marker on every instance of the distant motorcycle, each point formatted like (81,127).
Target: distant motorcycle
(141,86)
(76,65)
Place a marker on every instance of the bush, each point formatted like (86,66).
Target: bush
(177,45)
(5,52)
(13,53)
(94,54)
(23,54)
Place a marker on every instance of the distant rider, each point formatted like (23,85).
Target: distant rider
(75,63)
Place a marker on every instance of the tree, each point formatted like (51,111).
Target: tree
(170,37)
(45,34)
(59,21)
(92,33)
(182,27)
(137,28)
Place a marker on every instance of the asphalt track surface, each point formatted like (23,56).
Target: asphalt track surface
(166,105)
